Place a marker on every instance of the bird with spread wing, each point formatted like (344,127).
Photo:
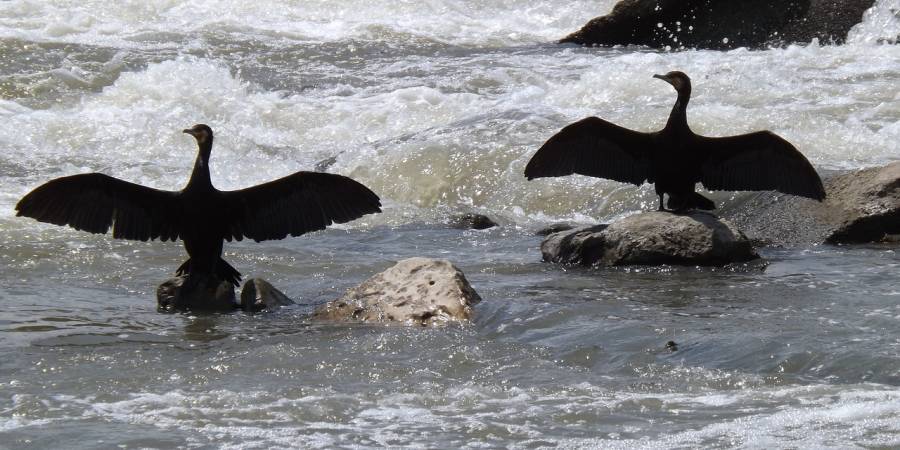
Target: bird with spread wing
(675,158)
(202,216)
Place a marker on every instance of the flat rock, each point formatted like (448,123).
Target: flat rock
(651,238)
(722,24)
(208,294)
(415,291)
(860,206)
(259,295)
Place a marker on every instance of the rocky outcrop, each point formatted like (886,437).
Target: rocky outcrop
(259,295)
(205,294)
(651,238)
(416,291)
(722,24)
(861,206)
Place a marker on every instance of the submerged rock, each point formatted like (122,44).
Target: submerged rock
(722,24)
(861,206)
(650,238)
(416,291)
(259,295)
(471,221)
(554,228)
(207,294)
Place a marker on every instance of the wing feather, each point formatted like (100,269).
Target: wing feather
(95,202)
(298,204)
(757,162)
(596,148)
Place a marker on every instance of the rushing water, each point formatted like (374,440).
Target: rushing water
(437,106)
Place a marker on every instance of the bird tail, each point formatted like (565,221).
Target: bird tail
(228,273)
(690,201)
(223,270)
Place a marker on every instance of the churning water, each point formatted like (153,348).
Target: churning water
(437,106)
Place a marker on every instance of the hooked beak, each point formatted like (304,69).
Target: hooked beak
(189,131)
(666,79)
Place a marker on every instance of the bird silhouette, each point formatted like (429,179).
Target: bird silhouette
(675,158)
(200,215)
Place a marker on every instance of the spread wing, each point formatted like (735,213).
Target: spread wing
(94,202)
(597,148)
(297,204)
(757,162)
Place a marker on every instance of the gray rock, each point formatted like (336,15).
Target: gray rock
(650,238)
(259,295)
(471,221)
(722,24)
(861,206)
(554,228)
(208,294)
(416,291)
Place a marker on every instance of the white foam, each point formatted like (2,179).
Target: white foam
(435,133)
(131,24)
(881,23)
(820,416)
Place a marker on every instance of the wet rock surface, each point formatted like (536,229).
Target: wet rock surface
(201,294)
(722,24)
(554,228)
(471,221)
(415,291)
(861,206)
(652,238)
(259,295)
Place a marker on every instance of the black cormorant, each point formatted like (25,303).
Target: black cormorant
(200,215)
(676,158)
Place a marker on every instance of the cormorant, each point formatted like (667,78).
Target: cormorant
(200,215)
(675,158)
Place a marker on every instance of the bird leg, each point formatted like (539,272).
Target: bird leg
(661,208)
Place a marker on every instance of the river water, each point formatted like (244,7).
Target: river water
(437,106)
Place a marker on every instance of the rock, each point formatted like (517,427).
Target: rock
(471,221)
(650,238)
(554,228)
(258,295)
(209,294)
(861,206)
(871,199)
(416,291)
(325,164)
(722,24)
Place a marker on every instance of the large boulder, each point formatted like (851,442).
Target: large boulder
(416,291)
(722,24)
(860,206)
(201,294)
(651,238)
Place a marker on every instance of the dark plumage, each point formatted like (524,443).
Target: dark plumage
(200,215)
(675,159)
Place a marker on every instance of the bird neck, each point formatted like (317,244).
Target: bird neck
(200,175)
(678,116)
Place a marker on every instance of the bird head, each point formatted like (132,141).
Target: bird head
(677,79)
(202,133)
